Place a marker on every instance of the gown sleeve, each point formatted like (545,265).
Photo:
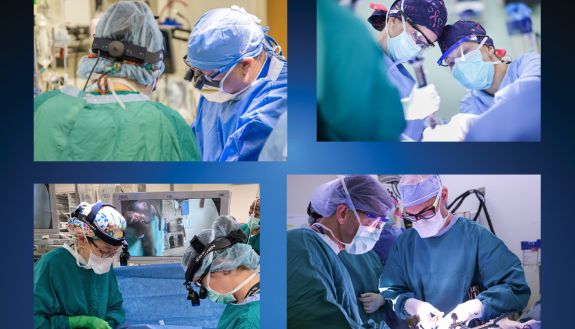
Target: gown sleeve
(45,303)
(115,314)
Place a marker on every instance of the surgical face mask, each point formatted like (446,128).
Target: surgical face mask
(228,297)
(219,95)
(402,47)
(427,228)
(472,72)
(364,240)
(254,223)
(100,265)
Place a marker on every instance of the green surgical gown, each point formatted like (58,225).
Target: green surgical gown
(364,270)
(319,290)
(72,126)
(63,289)
(242,316)
(254,240)
(356,101)
(440,270)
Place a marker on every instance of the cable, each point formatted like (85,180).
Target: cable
(458,201)
(92,71)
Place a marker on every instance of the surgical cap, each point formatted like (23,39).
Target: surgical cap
(416,189)
(223,37)
(108,220)
(366,193)
(240,254)
(131,22)
(459,30)
(429,13)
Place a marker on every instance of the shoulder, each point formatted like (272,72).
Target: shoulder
(528,64)
(54,258)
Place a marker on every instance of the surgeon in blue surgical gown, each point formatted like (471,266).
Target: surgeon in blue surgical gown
(242,77)
(505,94)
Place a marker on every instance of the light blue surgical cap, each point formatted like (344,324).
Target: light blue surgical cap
(366,193)
(224,36)
(240,254)
(131,22)
(416,189)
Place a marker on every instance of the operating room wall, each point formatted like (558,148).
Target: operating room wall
(513,201)
(493,20)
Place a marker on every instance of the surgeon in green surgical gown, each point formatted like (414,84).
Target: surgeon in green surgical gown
(229,275)
(252,228)
(114,118)
(74,286)
(346,216)
(355,100)
(433,266)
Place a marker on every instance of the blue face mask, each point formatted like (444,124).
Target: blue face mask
(472,72)
(402,47)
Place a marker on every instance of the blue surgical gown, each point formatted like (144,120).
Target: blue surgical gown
(404,82)
(319,289)
(526,67)
(514,113)
(237,130)
(440,270)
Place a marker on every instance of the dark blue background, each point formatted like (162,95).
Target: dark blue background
(552,158)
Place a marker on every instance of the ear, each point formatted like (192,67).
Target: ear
(444,195)
(246,64)
(341,212)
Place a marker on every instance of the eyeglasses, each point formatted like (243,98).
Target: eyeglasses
(420,38)
(104,254)
(425,214)
(198,78)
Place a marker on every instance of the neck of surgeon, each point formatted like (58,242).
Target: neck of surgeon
(240,295)
(499,73)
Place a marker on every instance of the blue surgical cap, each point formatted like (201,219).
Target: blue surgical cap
(366,193)
(132,22)
(224,36)
(240,254)
(416,189)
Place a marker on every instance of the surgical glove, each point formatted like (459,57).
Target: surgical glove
(371,302)
(454,131)
(422,103)
(90,322)
(428,314)
(465,312)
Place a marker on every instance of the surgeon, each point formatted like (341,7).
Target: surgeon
(435,267)
(407,29)
(506,94)
(252,228)
(227,275)
(346,215)
(242,76)
(113,118)
(355,99)
(74,286)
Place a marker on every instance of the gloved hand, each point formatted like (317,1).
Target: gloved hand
(371,301)
(471,309)
(428,314)
(90,322)
(421,103)
(454,131)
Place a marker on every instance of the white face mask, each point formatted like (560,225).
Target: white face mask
(219,95)
(427,228)
(100,265)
